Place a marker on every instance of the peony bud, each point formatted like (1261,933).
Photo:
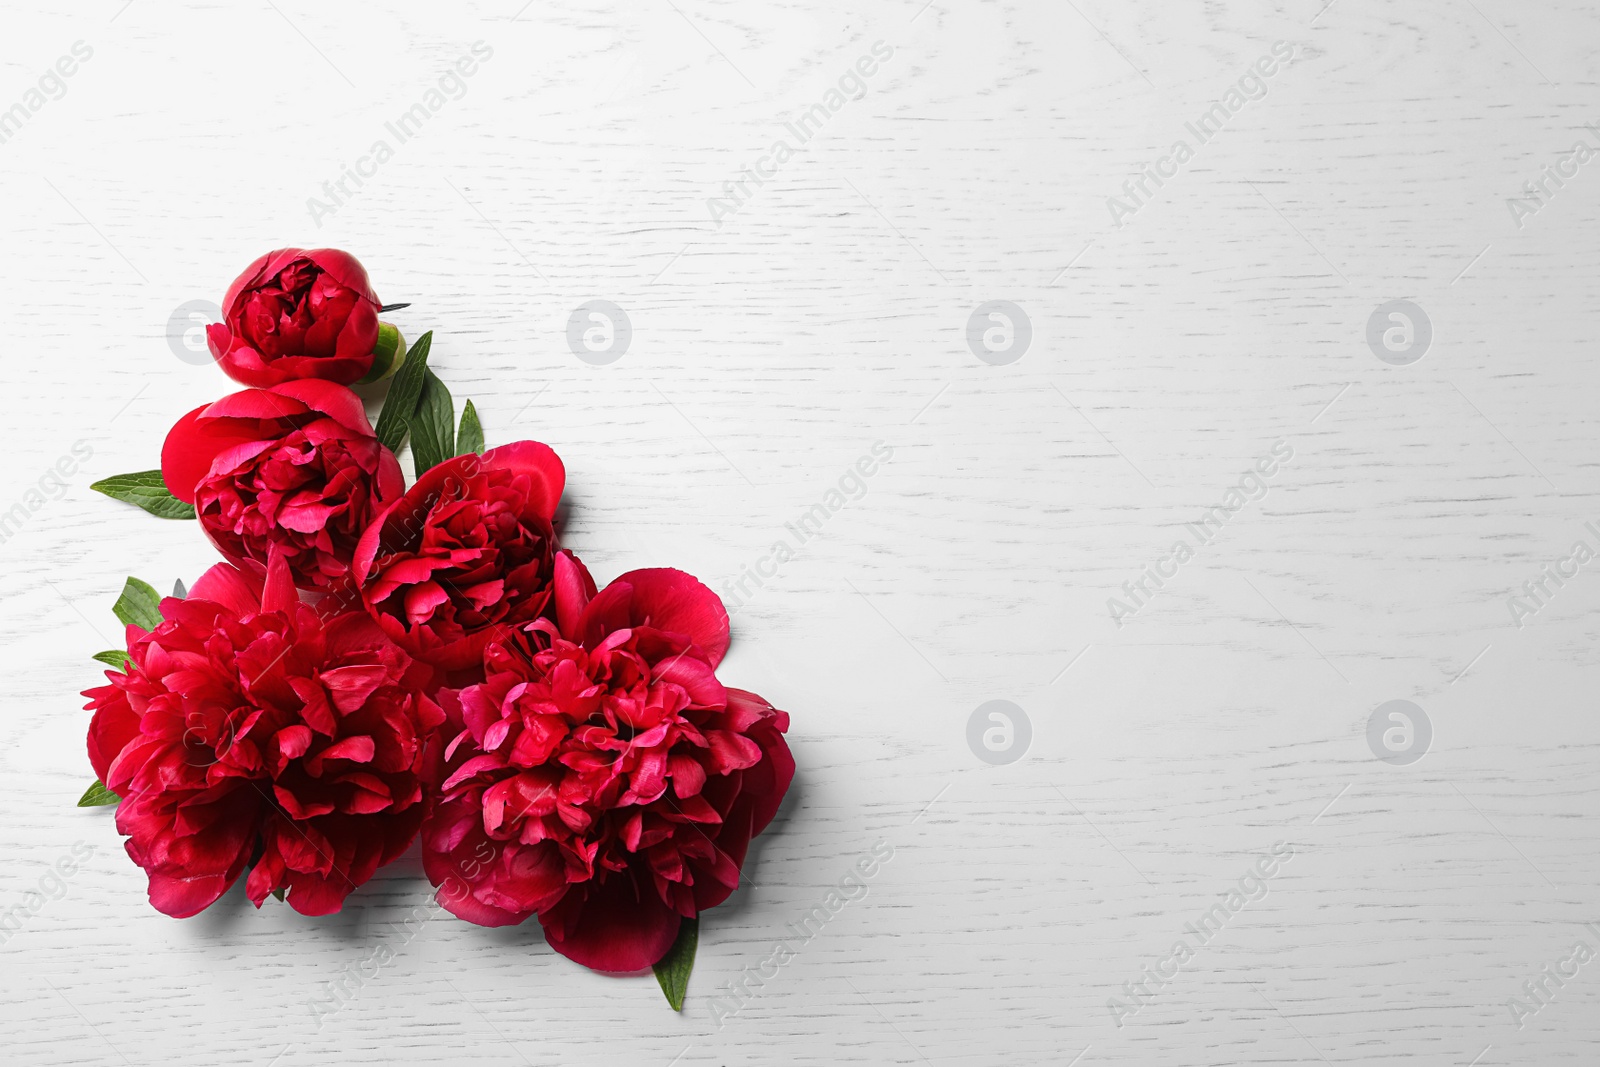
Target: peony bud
(387,355)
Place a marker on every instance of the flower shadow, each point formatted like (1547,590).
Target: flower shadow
(751,892)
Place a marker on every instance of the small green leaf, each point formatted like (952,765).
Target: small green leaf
(672,970)
(404,390)
(139,605)
(148,491)
(116,658)
(280,892)
(433,427)
(98,796)
(470,438)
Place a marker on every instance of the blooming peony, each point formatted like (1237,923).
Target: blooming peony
(465,555)
(294,467)
(612,781)
(247,729)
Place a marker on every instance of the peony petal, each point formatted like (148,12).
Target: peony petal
(314,895)
(183,895)
(333,400)
(574,588)
(345,269)
(257,272)
(237,590)
(278,593)
(219,339)
(540,463)
(614,926)
(422,599)
(268,404)
(391,483)
(402,523)
(358,749)
(114,726)
(679,603)
(293,741)
(366,552)
(360,334)
(190,447)
(731,752)
(351,686)
(695,676)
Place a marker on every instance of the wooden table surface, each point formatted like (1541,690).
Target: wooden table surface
(1212,726)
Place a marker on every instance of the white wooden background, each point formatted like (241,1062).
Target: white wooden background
(768,354)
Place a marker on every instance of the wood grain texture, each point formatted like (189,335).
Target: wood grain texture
(769,352)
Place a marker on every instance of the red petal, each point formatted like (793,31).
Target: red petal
(391,483)
(293,741)
(351,686)
(219,339)
(360,334)
(311,894)
(358,749)
(237,590)
(187,453)
(335,401)
(615,926)
(574,589)
(263,268)
(542,466)
(367,547)
(182,895)
(402,524)
(256,404)
(671,600)
(343,268)
(115,724)
(278,594)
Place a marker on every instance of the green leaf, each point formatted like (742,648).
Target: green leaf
(470,439)
(148,491)
(672,970)
(280,893)
(404,390)
(139,605)
(116,658)
(98,796)
(433,427)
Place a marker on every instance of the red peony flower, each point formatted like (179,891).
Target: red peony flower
(602,777)
(297,314)
(249,730)
(465,554)
(295,466)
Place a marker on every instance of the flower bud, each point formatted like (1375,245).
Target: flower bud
(387,355)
